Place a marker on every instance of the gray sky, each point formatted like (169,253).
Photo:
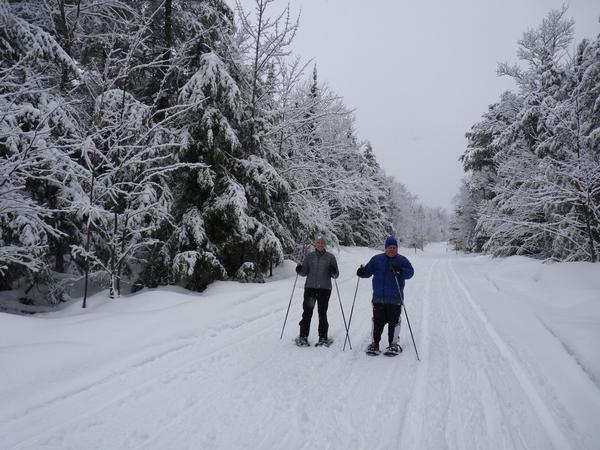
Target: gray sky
(419,73)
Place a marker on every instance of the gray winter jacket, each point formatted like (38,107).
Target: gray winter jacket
(318,268)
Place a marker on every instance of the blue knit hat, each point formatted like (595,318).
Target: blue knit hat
(391,240)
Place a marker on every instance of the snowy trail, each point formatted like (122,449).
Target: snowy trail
(466,385)
(209,371)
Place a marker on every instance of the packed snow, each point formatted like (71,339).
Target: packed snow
(508,360)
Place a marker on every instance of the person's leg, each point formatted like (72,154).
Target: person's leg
(379,321)
(308,306)
(393,321)
(322,305)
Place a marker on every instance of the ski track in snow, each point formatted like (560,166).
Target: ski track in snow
(542,410)
(236,385)
(125,382)
(470,387)
(412,429)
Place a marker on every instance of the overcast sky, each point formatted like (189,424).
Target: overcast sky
(419,73)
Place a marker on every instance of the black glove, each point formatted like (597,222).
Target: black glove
(360,271)
(397,270)
(298,268)
(332,272)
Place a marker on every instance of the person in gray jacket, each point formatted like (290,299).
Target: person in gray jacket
(318,267)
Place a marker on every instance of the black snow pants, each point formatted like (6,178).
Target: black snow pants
(321,298)
(386,313)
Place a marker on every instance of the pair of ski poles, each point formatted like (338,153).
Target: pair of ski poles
(341,308)
(401,306)
(347,325)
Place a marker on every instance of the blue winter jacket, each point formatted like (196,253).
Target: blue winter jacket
(385,289)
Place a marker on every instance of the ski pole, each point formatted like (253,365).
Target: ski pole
(406,314)
(351,312)
(343,315)
(293,289)
(288,308)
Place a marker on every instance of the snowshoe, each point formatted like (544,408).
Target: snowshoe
(373,349)
(393,350)
(324,342)
(302,342)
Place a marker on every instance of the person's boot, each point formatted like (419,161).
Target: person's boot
(373,349)
(302,341)
(324,341)
(393,350)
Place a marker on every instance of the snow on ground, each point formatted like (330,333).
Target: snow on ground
(508,353)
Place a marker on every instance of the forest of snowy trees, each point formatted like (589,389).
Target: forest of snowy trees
(533,160)
(155,142)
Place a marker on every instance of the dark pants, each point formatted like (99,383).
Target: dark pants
(321,298)
(385,313)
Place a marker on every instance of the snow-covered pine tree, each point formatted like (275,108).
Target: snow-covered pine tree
(485,141)
(365,218)
(38,127)
(572,165)
(517,218)
(534,183)
(332,184)
(265,36)
(225,213)
(586,114)
(130,156)
(176,36)
(464,218)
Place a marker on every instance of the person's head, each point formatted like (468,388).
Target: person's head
(320,244)
(391,246)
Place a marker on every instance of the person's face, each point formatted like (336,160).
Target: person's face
(320,245)
(391,250)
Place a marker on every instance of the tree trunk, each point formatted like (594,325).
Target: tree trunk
(113,256)
(87,239)
(67,35)
(590,234)
(162,101)
(261,9)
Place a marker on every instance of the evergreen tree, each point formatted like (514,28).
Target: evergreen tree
(38,127)
(534,183)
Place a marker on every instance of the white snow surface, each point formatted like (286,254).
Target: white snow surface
(508,348)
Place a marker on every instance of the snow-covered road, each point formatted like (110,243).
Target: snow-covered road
(503,366)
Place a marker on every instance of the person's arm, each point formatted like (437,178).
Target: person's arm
(333,268)
(368,270)
(407,269)
(403,268)
(303,269)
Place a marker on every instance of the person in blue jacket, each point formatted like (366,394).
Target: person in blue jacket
(387,268)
